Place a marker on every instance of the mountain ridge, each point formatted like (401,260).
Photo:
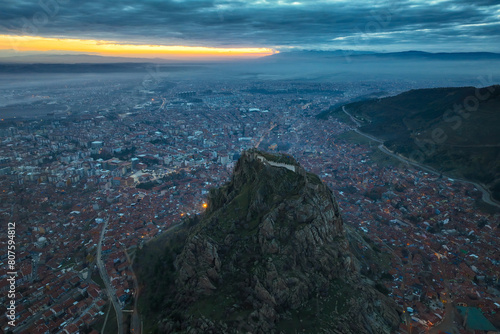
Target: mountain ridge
(75,59)
(453,129)
(270,255)
(368,55)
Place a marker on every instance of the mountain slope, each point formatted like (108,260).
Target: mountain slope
(270,255)
(455,130)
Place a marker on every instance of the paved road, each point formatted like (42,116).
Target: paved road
(265,134)
(351,116)
(486,194)
(107,283)
(163,103)
(486,197)
(135,325)
(448,323)
(21,328)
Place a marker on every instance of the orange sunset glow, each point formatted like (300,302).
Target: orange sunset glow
(113,48)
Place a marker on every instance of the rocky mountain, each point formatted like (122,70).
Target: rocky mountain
(270,255)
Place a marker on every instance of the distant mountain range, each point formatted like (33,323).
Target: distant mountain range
(282,56)
(366,55)
(21,68)
(75,59)
(120,67)
(340,65)
(455,130)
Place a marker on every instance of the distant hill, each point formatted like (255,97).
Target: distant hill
(270,255)
(455,130)
(74,59)
(408,55)
(447,69)
(443,69)
(20,68)
(365,55)
(120,67)
(13,57)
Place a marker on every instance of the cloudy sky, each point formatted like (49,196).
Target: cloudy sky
(258,26)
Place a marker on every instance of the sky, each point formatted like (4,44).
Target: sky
(235,28)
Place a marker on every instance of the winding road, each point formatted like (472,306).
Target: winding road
(486,197)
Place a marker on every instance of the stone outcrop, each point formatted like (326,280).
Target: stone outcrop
(271,254)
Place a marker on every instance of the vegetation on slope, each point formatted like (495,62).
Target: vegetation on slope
(455,130)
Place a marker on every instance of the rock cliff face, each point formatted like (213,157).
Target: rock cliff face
(270,255)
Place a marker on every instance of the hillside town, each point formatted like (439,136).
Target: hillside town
(92,187)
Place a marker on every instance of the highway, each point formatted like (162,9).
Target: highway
(104,275)
(486,197)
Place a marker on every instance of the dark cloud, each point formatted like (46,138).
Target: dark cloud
(480,3)
(388,24)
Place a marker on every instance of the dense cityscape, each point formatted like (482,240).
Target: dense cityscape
(87,184)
